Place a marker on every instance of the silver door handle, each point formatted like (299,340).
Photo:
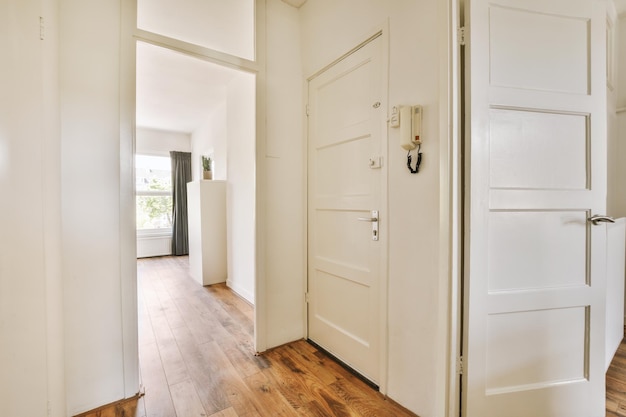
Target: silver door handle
(368,219)
(596,219)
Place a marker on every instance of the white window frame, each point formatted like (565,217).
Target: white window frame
(152,233)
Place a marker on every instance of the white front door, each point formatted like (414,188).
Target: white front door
(535,264)
(346,180)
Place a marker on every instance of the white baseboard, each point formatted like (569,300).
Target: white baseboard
(241,291)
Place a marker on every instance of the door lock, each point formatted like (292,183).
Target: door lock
(374,221)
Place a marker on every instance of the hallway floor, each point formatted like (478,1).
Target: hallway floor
(197,358)
(616,384)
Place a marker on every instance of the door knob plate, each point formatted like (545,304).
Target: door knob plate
(374,220)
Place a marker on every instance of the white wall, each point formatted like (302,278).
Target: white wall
(617,128)
(240,203)
(284,203)
(210,139)
(226,26)
(31,333)
(60,300)
(621,60)
(329,29)
(91,236)
(160,142)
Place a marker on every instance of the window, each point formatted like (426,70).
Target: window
(153,176)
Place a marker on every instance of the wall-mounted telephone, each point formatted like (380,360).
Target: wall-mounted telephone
(410,127)
(409,120)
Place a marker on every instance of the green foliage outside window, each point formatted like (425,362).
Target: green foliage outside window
(154,200)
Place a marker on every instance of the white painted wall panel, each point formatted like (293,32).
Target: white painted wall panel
(620,47)
(31,333)
(210,139)
(617,196)
(241,185)
(284,201)
(91,242)
(617,126)
(615,265)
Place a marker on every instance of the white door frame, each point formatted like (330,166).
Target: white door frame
(130,34)
(452,207)
(382,31)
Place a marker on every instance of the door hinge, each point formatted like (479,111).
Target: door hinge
(42,28)
(307,299)
(308,110)
(461,34)
(459,365)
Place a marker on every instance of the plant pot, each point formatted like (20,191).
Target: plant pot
(207,175)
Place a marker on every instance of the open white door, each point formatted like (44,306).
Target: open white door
(535,263)
(345,191)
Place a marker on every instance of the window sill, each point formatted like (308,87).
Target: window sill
(153,233)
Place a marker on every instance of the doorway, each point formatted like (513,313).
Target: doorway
(192,67)
(189,105)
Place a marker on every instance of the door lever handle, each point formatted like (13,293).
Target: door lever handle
(596,219)
(368,219)
(374,221)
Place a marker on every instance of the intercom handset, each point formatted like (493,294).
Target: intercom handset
(409,120)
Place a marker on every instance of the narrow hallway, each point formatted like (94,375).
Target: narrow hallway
(197,358)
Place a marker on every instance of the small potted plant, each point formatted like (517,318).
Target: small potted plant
(207,168)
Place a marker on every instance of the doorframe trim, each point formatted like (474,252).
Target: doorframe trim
(380,31)
(127,228)
(451,210)
(130,34)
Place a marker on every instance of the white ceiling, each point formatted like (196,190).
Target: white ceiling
(176,92)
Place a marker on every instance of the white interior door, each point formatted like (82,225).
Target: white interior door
(346,126)
(535,265)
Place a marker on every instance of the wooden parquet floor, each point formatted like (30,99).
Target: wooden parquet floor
(197,358)
(616,384)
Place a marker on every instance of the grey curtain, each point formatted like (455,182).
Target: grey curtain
(181,175)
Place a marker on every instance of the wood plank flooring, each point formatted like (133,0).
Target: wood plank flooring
(616,384)
(197,358)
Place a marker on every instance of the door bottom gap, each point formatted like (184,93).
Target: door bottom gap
(347,367)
